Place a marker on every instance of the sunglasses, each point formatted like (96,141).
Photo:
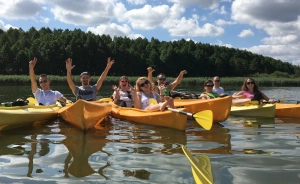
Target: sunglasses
(209,85)
(216,80)
(144,83)
(162,79)
(123,81)
(43,81)
(248,83)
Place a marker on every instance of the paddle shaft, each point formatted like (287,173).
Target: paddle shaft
(179,111)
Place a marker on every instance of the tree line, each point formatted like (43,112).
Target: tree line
(132,56)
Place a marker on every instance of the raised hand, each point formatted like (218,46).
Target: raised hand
(32,62)
(150,69)
(183,72)
(69,66)
(110,62)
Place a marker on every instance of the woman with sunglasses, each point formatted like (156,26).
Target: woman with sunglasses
(250,91)
(123,95)
(147,99)
(208,91)
(44,96)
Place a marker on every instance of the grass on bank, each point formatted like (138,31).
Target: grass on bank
(265,81)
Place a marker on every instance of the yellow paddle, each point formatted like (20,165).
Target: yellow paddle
(32,101)
(203,118)
(202,169)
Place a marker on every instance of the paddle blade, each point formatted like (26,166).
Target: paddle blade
(201,169)
(204,118)
(32,101)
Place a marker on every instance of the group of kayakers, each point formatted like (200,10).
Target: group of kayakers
(144,95)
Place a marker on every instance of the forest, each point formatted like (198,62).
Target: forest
(132,56)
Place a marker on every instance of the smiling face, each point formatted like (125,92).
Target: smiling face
(44,83)
(143,84)
(85,80)
(161,79)
(208,86)
(124,83)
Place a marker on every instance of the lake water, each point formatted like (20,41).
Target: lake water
(241,150)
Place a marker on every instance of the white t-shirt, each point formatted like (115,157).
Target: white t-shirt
(124,96)
(47,97)
(218,90)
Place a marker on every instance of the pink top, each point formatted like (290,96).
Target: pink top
(249,94)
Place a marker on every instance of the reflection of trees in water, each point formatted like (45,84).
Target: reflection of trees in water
(217,134)
(140,174)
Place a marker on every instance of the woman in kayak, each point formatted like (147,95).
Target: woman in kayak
(146,99)
(249,92)
(122,95)
(208,88)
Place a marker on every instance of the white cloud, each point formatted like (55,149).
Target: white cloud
(5,27)
(83,13)
(211,4)
(19,9)
(246,33)
(282,52)
(220,43)
(221,11)
(221,22)
(45,19)
(136,2)
(114,30)
(287,39)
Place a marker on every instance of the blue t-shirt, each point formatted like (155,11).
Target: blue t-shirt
(86,93)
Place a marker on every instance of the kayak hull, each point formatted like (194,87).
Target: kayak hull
(23,115)
(262,110)
(219,106)
(83,114)
(165,119)
(287,110)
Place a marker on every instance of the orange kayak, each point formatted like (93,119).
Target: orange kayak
(287,110)
(84,114)
(166,118)
(219,106)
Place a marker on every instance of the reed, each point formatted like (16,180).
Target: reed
(186,81)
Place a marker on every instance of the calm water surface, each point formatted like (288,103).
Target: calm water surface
(241,150)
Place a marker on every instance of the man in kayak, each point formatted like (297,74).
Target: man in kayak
(217,88)
(162,82)
(86,91)
(44,96)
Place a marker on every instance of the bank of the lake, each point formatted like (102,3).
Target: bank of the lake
(266,81)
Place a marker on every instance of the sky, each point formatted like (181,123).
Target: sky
(267,27)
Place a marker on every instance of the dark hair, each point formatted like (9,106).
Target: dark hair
(161,74)
(85,73)
(245,88)
(208,81)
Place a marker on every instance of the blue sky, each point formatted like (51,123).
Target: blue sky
(266,27)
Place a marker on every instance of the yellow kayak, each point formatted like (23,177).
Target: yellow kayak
(166,118)
(219,106)
(201,167)
(84,114)
(287,110)
(23,115)
(261,110)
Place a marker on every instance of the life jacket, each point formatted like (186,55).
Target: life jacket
(212,95)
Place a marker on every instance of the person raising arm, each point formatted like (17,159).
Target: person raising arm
(86,91)
(45,95)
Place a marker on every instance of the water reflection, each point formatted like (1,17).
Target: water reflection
(81,146)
